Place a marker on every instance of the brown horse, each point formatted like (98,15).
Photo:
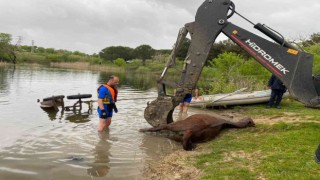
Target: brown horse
(199,128)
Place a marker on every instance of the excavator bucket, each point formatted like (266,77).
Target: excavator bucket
(160,111)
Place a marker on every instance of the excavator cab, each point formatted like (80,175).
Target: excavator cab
(290,64)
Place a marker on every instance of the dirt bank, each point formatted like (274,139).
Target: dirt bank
(177,165)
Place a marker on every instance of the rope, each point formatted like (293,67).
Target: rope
(125,99)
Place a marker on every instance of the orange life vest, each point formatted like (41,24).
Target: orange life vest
(106,100)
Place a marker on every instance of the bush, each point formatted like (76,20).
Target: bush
(75,58)
(134,64)
(315,50)
(156,66)
(143,69)
(54,58)
(120,62)
(94,60)
(229,72)
(27,57)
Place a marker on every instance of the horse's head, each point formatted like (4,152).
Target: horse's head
(248,121)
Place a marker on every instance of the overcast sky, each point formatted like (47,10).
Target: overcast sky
(91,25)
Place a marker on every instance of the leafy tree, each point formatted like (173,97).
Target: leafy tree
(217,48)
(144,52)
(7,51)
(73,58)
(79,53)
(12,53)
(50,51)
(230,71)
(26,48)
(120,62)
(54,57)
(315,50)
(5,39)
(95,55)
(63,51)
(182,54)
(114,52)
(313,40)
(226,46)
(163,51)
(40,50)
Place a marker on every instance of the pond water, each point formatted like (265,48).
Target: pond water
(36,144)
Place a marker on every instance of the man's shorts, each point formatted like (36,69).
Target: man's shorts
(187,98)
(109,113)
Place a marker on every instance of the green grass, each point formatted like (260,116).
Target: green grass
(287,106)
(278,151)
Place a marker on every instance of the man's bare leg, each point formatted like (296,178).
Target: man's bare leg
(185,107)
(108,122)
(104,124)
(181,107)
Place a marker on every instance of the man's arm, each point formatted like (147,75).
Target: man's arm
(100,103)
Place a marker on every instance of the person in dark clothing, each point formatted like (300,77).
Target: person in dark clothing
(317,155)
(277,91)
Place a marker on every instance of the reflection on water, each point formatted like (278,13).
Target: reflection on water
(100,166)
(134,80)
(74,116)
(78,117)
(38,144)
(52,113)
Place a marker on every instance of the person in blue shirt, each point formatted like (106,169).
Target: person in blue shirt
(107,96)
(277,91)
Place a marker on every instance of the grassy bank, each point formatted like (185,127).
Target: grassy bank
(281,146)
(279,151)
(106,67)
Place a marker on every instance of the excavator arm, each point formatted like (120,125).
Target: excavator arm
(291,65)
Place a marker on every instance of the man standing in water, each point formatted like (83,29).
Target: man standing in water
(107,96)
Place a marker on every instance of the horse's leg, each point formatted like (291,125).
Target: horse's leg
(162,127)
(186,140)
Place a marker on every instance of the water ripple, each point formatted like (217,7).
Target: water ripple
(19,171)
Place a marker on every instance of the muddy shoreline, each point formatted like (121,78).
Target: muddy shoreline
(177,165)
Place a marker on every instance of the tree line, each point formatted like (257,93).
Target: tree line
(10,52)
